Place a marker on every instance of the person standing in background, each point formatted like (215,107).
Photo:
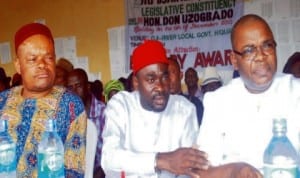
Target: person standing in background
(4,80)
(61,76)
(292,66)
(16,80)
(175,87)
(27,107)
(149,133)
(63,67)
(145,128)
(77,82)
(111,88)
(211,80)
(65,64)
(97,90)
(191,80)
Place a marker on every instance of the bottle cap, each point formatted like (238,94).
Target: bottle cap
(3,125)
(279,125)
(50,125)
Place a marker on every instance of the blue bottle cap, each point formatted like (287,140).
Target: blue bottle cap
(3,125)
(51,125)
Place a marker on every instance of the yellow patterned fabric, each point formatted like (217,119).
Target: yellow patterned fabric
(26,118)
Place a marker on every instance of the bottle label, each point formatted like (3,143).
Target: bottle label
(8,174)
(7,160)
(279,171)
(7,156)
(51,165)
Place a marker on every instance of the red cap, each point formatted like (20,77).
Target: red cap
(29,30)
(149,52)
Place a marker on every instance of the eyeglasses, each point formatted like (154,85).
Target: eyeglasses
(250,52)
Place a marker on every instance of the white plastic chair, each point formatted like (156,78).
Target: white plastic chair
(91,144)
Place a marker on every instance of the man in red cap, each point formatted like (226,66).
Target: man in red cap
(28,106)
(145,128)
(150,133)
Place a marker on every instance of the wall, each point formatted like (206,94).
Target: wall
(88,20)
(284,19)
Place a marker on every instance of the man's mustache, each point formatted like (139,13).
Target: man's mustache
(159,94)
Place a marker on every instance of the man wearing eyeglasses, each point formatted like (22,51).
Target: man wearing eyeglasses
(237,119)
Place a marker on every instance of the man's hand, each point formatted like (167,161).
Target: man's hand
(183,161)
(244,170)
(231,170)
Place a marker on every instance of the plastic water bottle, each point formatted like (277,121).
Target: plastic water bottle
(280,157)
(51,153)
(7,152)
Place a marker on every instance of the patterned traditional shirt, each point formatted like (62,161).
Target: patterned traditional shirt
(26,118)
(97,116)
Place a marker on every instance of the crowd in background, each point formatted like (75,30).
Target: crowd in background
(95,95)
(195,86)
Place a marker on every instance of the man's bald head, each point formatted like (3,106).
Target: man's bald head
(247,20)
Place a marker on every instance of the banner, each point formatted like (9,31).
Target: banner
(195,32)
